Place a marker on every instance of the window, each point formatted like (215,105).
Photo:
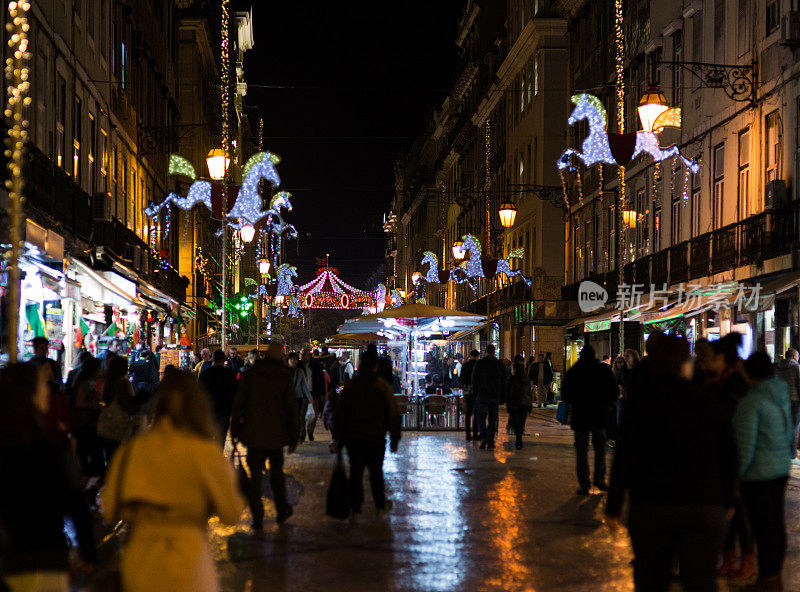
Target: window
(521,168)
(587,247)
(596,242)
(719,185)
(114,68)
(719,31)
(127,206)
(773,16)
(744,174)
(104,161)
(42,113)
(90,156)
(536,75)
(641,224)
(696,205)
(61,112)
(102,33)
(675,220)
(77,137)
(612,232)
(529,70)
(657,230)
(743,28)
(123,56)
(772,147)
(697,41)
(677,73)
(527,261)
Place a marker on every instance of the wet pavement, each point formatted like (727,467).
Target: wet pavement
(463,519)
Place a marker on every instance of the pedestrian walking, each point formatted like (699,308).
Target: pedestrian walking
(470,417)
(318,389)
(41,487)
(365,413)
(302,378)
(590,390)
(115,422)
(488,386)
(265,420)
(234,362)
(519,399)
(541,375)
(788,370)
(763,426)
(204,363)
(219,383)
(676,460)
(85,407)
(166,483)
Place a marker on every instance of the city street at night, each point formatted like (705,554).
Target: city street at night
(463,519)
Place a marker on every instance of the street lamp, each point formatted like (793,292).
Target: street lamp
(263,267)
(508,213)
(415,277)
(247,232)
(652,104)
(279,300)
(217,164)
(458,252)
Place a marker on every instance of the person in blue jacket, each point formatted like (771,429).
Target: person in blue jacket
(763,425)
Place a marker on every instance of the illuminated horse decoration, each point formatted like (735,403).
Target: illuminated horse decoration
(294,309)
(484,267)
(380,299)
(395,299)
(439,276)
(248,207)
(620,149)
(285,274)
(276,225)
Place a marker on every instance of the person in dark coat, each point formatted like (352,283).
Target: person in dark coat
(41,487)
(676,460)
(488,386)
(470,419)
(519,398)
(540,374)
(365,412)
(220,384)
(590,389)
(264,419)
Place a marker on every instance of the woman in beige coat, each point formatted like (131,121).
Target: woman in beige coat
(165,484)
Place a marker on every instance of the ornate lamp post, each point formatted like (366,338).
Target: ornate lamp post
(218,164)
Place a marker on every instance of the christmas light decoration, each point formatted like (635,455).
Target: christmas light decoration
(248,204)
(327,290)
(199,193)
(599,146)
(178,165)
(458,253)
(669,118)
(17,100)
(285,273)
(256,158)
(478,267)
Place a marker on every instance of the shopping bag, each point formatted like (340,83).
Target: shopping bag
(338,502)
(310,414)
(114,423)
(562,413)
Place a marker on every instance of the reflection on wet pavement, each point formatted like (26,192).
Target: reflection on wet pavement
(463,519)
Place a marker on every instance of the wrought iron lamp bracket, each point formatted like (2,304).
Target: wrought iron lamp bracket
(737,80)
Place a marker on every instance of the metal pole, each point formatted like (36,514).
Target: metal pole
(619,47)
(225,80)
(17,90)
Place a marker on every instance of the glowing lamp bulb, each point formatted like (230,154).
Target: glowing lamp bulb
(652,104)
(263,267)
(415,277)
(217,164)
(247,232)
(508,213)
(279,300)
(458,252)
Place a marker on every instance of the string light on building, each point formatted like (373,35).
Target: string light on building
(178,165)
(17,100)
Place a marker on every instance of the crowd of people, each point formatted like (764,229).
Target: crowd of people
(120,442)
(703,447)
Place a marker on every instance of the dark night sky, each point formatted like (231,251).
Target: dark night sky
(364,78)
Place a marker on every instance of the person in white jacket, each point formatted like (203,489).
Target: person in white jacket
(166,483)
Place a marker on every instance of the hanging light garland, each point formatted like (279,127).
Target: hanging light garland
(17,92)
(619,70)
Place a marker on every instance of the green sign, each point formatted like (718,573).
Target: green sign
(593,326)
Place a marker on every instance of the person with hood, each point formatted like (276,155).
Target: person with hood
(365,412)
(788,370)
(219,383)
(763,427)
(166,483)
(589,387)
(519,398)
(470,417)
(41,487)
(676,461)
(265,420)
(488,387)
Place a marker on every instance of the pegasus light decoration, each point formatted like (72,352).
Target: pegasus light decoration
(294,309)
(442,276)
(277,226)
(248,207)
(285,274)
(395,299)
(620,149)
(485,267)
(380,300)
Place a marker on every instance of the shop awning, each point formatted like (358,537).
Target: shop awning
(597,322)
(105,283)
(462,335)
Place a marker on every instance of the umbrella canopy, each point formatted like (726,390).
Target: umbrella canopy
(413,317)
(354,337)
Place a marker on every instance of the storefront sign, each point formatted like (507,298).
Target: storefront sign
(594,326)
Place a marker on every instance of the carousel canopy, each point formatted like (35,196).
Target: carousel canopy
(409,317)
(327,290)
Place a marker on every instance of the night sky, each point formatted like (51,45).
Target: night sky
(356,82)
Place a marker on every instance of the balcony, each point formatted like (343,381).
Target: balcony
(751,241)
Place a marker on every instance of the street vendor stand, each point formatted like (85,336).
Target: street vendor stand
(414,325)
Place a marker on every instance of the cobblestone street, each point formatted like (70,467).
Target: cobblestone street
(463,519)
